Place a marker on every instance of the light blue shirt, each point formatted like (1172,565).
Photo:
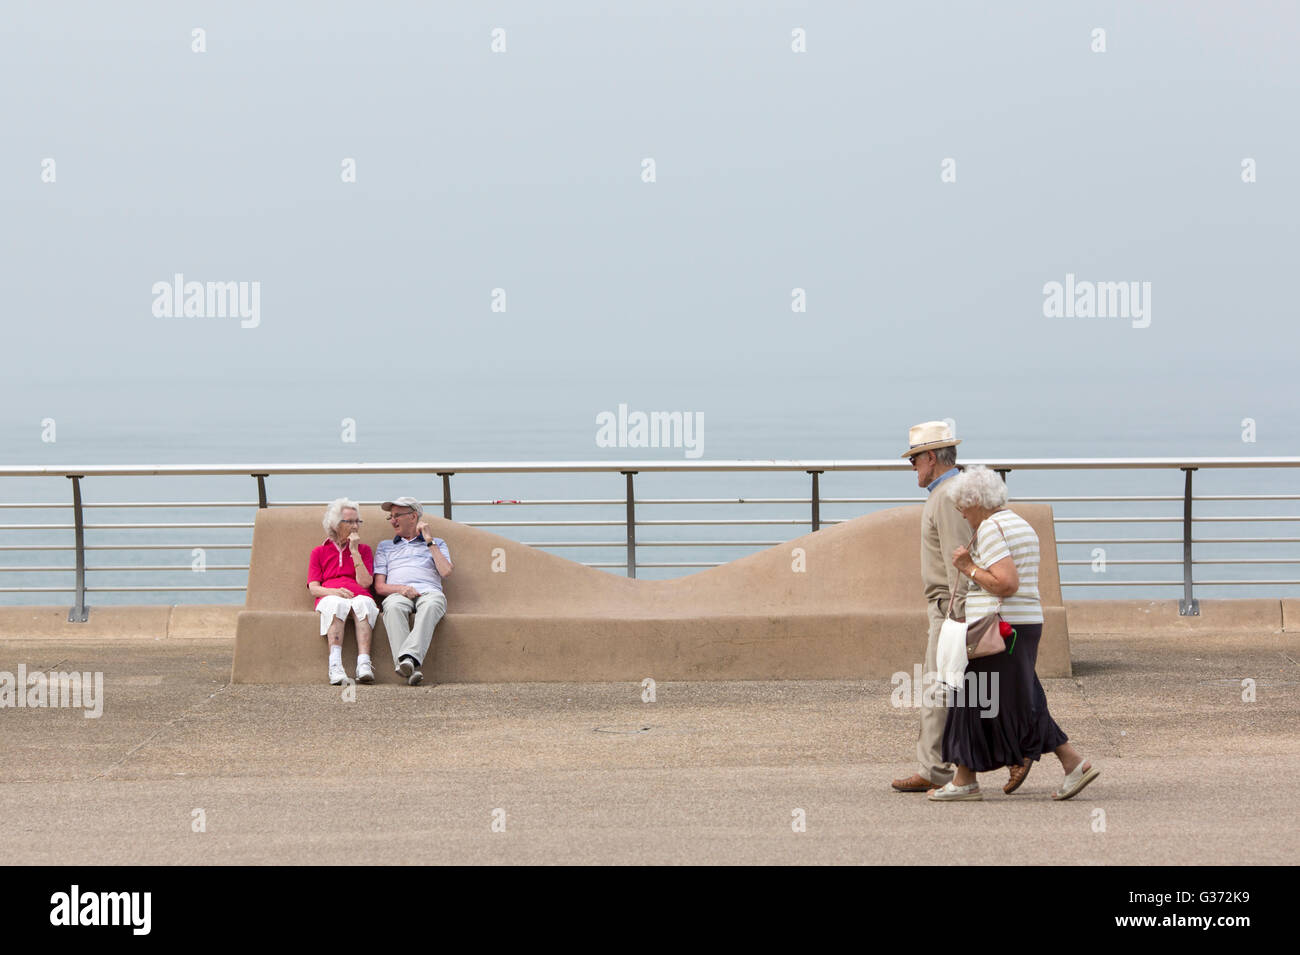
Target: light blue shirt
(408,563)
(929,487)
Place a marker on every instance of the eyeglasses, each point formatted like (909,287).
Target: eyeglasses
(351,520)
(393,515)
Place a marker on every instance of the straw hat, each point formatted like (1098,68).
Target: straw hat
(929,436)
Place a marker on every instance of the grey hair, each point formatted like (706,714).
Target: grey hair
(334,513)
(978,486)
(946,457)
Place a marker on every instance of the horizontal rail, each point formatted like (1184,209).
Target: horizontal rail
(129,568)
(180,590)
(619,502)
(735,522)
(752,522)
(1178,583)
(1178,540)
(1090,499)
(179,525)
(1173,520)
(641,543)
(188,505)
(649,466)
(233,588)
(13,547)
(1233,560)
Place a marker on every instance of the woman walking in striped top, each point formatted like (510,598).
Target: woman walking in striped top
(999,717)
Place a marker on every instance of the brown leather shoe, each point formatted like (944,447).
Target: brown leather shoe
(1018,774)
(915,783)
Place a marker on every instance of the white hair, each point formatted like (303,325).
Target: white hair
(334,513)
(978,486)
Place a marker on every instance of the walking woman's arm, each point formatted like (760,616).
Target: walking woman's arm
(1001,579)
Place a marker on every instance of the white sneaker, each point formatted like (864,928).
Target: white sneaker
(951,792)
(337,674)
(405,668)
(415,679)
(365,673)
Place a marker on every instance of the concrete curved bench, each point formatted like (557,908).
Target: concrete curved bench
(854,612)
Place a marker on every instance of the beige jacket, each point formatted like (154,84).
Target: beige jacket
(943,530)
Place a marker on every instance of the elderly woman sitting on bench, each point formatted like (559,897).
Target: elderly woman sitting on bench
(339,576)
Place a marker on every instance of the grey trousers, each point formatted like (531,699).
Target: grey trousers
(929,746)
(409,641)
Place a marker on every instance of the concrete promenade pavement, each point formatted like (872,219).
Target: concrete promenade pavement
(588,773)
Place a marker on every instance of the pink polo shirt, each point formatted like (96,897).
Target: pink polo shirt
(331,566)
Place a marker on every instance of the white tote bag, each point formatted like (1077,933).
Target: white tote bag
(951,655)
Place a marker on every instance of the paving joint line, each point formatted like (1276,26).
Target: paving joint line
(158,732)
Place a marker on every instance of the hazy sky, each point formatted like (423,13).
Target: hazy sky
(523,170)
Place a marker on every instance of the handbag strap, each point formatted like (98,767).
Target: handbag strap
(969,545)
(963,584)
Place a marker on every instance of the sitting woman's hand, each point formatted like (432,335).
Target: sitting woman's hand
(343,592)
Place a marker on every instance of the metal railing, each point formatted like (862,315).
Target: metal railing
(630,522)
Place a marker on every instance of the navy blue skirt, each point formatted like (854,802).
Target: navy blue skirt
(999,717)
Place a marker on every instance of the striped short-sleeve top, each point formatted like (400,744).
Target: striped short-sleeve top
(1004,534)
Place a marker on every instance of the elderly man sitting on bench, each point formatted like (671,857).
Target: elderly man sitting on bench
(409,570)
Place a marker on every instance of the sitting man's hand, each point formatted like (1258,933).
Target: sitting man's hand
(410,593)
(424,531)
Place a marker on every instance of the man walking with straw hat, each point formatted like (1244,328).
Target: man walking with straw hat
(932,449)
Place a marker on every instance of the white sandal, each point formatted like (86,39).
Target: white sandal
(950,793)
(1076,780)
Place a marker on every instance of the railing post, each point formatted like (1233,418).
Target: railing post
(1004,472)
(631,526)
(816,503)
(79,612)
(1188,606)
(261,490)
(446,492)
